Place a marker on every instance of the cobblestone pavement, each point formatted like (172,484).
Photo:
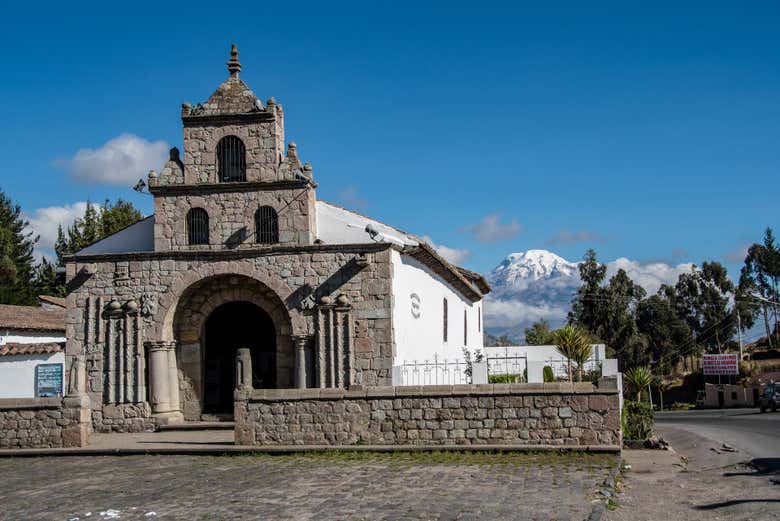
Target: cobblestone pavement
(396,487)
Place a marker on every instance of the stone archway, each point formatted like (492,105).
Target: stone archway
(229,327)
(190,331)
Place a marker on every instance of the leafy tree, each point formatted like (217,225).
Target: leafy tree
(639,378)
(586,307)
(664,330)
(46,281)
(572,343)
(539,334)
(95,224)
(701,299)
(16,255)
(618,323)
(758,276)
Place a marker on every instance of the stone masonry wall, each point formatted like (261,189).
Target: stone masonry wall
(232,218)
(27,423)
(155,282)
(501,414)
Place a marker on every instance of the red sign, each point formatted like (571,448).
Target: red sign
(721,365)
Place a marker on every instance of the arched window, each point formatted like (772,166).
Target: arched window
(197,226)
(266,225)
(231,160)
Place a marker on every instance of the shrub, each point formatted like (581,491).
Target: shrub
(504,379)
(547,374)
(637,419)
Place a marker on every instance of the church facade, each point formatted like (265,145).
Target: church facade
(240,254)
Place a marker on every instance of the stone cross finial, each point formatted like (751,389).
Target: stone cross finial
(234,66)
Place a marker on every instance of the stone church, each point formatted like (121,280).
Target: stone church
(241,255)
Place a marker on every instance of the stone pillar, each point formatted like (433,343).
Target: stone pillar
(300,361)
(173,382)
(244,369)
(162,377)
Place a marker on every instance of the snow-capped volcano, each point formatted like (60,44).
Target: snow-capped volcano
(529,286)
(520,270)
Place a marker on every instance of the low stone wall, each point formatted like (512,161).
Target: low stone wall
(563,415)
(126,417)
(43,422)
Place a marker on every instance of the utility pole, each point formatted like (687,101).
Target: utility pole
(739,335)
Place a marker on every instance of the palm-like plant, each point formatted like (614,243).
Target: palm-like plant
(572,343)
(639,378)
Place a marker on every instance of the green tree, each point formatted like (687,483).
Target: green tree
(639,378)
(701,299)
(664,330)
(573,344)
(95,224)
(16,255)
(586,307)
(539,334)
(618,323)
(46,281)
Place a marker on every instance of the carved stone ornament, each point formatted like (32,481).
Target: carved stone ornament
(148,305)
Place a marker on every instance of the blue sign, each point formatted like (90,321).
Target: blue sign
(48,380)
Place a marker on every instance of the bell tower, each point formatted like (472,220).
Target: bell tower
(235,185)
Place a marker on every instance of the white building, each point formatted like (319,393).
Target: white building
(31,343)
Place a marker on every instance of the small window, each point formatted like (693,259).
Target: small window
(266,225)
(733,395)
(231,160)
(465,327)
(197,226)
(446,319)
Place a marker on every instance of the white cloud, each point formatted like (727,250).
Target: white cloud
(650,275)
(45,221)
(489,229)
(120,161)
(510,313)
(453,255)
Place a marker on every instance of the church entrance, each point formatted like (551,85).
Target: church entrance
(229,327)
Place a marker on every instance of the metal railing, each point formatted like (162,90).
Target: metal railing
(560,366)
(509,365)
(434,372)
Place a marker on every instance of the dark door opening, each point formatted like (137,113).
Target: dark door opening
(230,327)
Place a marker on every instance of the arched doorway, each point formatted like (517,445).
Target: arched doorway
(229,327)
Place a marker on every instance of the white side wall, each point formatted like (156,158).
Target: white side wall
(17,373)
(419,331)
(20,337)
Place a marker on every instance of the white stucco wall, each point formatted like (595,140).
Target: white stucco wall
(503,357)
(421,337)
(17,373)
(20,337)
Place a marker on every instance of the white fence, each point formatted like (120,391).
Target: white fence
(433,372)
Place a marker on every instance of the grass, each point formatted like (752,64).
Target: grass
(454,458)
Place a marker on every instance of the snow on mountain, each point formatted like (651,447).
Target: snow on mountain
(527,287)
(538,284)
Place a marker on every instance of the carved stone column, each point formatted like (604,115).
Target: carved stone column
(300,361)
(163,381)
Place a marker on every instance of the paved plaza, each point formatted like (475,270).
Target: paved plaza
(359,486)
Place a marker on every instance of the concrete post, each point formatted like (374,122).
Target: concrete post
(300,361)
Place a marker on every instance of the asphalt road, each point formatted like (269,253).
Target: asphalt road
(754,434)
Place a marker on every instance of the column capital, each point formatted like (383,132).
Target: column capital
(302,340)
(159,345)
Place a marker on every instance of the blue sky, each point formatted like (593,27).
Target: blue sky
(647,131)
